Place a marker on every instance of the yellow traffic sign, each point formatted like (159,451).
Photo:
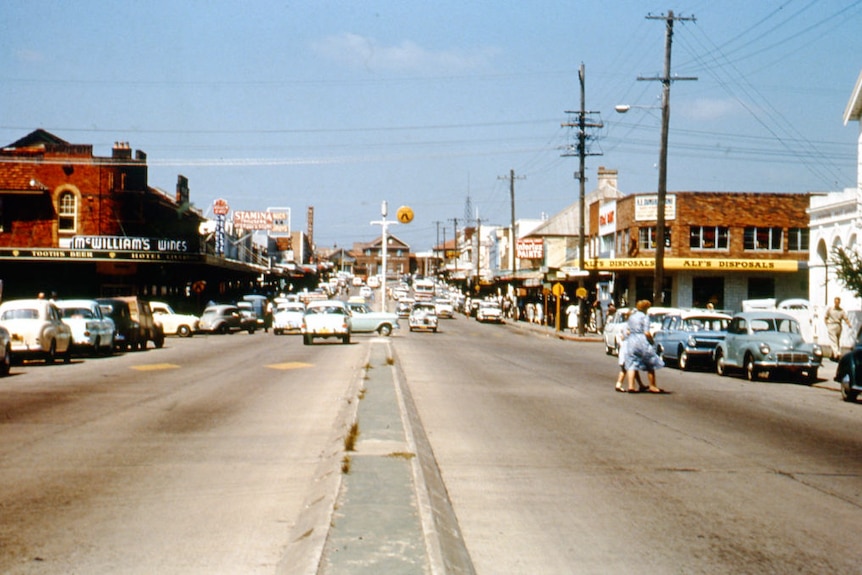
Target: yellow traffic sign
(558,289)
(404,215)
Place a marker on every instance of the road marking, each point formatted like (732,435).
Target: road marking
(155,366)
(289,365)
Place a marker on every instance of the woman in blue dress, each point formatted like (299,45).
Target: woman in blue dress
(641,354)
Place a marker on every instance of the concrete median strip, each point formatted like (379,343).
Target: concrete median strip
(389,512)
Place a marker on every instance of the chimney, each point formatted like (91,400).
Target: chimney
(122,151)
(607,179)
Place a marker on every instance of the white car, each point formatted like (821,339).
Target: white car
(326,318)
(173,323)
(489,311)
(288,317)
(444,307)
(92,330)
(36,329)
(615,330)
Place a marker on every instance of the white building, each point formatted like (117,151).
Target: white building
(836,221)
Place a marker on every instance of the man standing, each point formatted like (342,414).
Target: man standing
(835,315)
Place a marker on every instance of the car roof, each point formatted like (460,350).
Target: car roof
(763,314)
(704,314)
(326,303)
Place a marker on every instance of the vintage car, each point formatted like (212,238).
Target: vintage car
(288,317)
(764,342)
(445,307)
(36,330)
(849,372)
(173,323)
(615,330)
(223,319)
(326,318)
(689,337)
(92,331)
(489,312)
(423,316)
(365,320)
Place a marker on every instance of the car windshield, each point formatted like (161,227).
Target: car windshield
(334,309)
(705,324)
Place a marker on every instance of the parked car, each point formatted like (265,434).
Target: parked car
(250,321)
(615,330)
(489,312)
(689,337)
(764,342)
(848,374)
(173,323)
(423,317)
(363,319)
(5,351)
(403,307)
(127,332)
(92,331)
(222,318)
(288,317)
(36,330)
(142,317)
(656,317)
(326,318)
(262,310)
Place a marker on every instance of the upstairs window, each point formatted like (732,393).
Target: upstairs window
(797,239)
(647,238)
(708,238)
(68,212)
(762,239)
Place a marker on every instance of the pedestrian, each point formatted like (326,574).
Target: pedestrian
(572,317)
(834,317)
(623,354)
(641,354)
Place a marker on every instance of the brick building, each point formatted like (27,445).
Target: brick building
(85,226)
(720,247)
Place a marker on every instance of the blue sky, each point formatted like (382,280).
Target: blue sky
(340,105)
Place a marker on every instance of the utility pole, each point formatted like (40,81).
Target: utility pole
(455,240)
(666,80)
(437,249)
(512,237)
(582,125)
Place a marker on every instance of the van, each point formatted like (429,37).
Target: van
(134,320)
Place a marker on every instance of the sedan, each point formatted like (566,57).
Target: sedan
(849,373)
(763,342)
(222,318)
(691,336)
(36,329)
(489,312)
(92,331)
(423,317)
(365,320)
(615,330)
(288,317)
(326,318)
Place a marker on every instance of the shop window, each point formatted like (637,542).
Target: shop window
(797,239)
(762,239)
(708,238)
(68,212)
(647,238)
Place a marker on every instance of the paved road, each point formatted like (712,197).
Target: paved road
(224,454)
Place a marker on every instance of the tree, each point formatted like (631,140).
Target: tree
(848,269)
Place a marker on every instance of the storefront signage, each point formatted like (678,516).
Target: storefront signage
(248,220)
(704,264)
(128,244)
(646,208)
(59,254)
(530,249)
(607,218)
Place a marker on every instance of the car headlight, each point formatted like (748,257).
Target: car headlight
(692,341)
(817,350)
(764,348)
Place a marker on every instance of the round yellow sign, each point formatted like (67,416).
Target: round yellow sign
(404,215)
(581,292)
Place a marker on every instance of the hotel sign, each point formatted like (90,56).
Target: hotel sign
(690,264)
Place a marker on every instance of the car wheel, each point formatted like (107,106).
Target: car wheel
(159,342)
(811,376)
(306,339)
(682,360)
(223,329)
(750,370)
(6,363)
(848,394)
(51,357)
(67,357)
(184,331)
(251,331)
(720,367)
(385,329)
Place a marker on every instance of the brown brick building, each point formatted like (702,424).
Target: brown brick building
(720,247)
(83,225)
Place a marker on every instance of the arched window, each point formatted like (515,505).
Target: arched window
(67,210)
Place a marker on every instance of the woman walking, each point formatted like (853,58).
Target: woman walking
(641,354)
